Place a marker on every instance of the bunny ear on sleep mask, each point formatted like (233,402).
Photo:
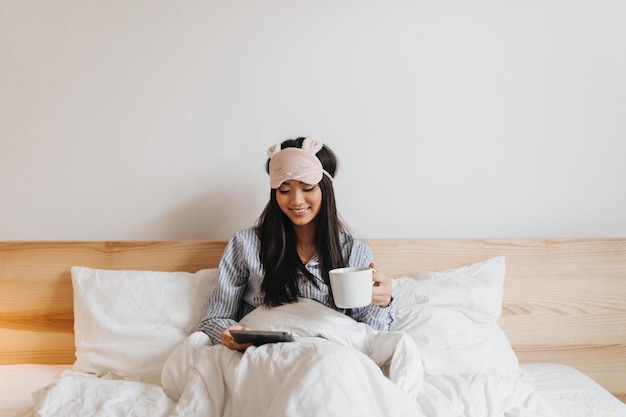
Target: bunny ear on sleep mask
(311,145)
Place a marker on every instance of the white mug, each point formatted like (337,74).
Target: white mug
(352,287)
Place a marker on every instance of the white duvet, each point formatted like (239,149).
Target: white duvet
(335,367)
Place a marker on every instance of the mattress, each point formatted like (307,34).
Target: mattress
(566,389)
(17,382)
(571,392)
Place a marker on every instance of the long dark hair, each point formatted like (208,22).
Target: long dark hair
(278,253)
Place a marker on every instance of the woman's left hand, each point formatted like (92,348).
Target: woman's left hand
(382,288)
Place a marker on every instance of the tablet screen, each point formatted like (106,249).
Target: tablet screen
(258,338)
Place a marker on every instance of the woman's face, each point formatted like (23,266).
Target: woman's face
(300,202)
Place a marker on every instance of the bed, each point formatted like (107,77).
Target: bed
(485,327)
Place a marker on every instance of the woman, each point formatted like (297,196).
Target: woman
(297,239)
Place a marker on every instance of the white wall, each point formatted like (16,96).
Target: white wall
(150,119)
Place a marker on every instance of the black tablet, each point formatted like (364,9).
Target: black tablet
(258,338)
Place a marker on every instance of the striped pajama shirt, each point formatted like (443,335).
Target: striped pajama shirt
(239,286)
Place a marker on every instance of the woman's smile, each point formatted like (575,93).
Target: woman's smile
(300,211)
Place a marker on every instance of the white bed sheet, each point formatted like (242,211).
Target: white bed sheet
(17,382)
(566,389)
(571,392)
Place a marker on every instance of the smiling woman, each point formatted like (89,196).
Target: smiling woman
(288,254)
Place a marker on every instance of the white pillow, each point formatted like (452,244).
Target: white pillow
(453,317)
(126,323)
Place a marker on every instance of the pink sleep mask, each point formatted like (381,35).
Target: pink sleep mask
(298,164)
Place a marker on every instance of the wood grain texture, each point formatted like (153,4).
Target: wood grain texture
(564,299)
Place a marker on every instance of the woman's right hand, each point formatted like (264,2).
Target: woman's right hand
(229,341)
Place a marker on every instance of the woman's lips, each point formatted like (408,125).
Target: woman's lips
(300,212)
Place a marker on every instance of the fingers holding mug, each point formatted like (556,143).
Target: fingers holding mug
(382,289)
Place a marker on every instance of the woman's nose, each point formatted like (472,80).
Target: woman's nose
(298,197)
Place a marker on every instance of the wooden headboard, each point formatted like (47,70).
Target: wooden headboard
(564,300)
